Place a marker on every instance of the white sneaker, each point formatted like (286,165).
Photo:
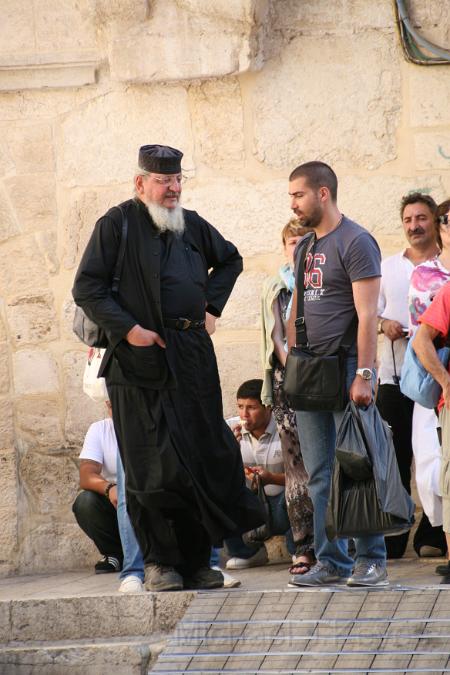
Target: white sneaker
(260,558)
(131,584)
(228,580)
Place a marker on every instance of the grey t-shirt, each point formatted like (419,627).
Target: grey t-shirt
(345,255)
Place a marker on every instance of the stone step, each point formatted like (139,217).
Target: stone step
(124,656)
(90,617)
(326,630)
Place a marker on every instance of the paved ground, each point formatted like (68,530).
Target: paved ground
(409,571)
(262,627)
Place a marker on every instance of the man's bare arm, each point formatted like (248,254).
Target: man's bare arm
(426,352)
(91,479)
(365,297)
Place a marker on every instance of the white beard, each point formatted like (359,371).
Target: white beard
(166,219)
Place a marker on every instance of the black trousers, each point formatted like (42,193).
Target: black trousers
(397,410)
(97,517)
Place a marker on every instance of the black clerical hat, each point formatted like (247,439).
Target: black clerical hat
(160,159)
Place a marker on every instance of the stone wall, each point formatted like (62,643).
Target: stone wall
(247,89)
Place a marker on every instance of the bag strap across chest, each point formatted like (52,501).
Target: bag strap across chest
(301,337)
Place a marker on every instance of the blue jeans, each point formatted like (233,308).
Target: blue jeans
(235,547)
(133,562)
(317,434)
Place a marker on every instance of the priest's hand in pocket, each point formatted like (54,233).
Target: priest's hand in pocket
(141,337)
(361,391)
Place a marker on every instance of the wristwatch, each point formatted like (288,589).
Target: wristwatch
(366,373)
(108,488)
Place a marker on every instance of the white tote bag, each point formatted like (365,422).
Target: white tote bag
(94,386)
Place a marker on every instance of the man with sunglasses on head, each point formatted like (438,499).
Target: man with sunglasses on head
(184,474)
(417,213)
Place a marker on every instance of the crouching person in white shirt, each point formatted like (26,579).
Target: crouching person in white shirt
(256,430)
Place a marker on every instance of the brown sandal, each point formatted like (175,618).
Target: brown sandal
(301,567)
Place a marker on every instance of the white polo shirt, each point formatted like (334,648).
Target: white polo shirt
(393,304)
(264,451)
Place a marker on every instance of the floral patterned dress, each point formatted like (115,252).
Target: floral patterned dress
(299,505)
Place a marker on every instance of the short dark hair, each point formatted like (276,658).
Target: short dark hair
(441,210)
(317,174)
(414,197)
(250,389)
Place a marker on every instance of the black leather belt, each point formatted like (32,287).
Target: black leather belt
(183,324)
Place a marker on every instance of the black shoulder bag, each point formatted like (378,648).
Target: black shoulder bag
(313,381)
(87,330)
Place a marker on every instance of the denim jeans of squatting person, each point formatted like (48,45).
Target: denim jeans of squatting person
(317,433)
(133,562)
(236,548)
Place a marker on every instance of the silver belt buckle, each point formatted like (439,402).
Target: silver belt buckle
(186,323)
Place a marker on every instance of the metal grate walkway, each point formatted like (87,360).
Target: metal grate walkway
(333,630)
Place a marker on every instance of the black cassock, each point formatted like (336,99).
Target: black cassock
(184,474)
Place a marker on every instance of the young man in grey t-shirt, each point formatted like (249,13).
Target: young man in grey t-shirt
(342,280)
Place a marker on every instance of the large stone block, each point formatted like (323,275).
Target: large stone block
(428,89)
(217,115)
(35,372)
(326,113)
(8,473)
(32,319)
(39,422)
(50,482)
(47,76)
(63,26)
(35,105)
(38,210)
(55,546)
(243,310)
(249,214)
(6,423)
(22,267)
(16,27)
(233,10)
(374,202)
(8,535)
(81,410)
(105,154)
(196,47)
(29,147)
(9,227)
(291,18)
(238,361)
(5,380)
(79,213)
(432,151)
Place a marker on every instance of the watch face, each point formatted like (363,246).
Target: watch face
(366,373)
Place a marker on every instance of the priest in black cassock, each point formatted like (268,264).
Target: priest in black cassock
(184,475)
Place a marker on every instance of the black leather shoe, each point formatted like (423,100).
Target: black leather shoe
(443,570)
(396,545)
(204,577)
(429,541)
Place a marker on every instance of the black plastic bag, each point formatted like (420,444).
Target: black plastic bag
(351,445)
(378,504)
